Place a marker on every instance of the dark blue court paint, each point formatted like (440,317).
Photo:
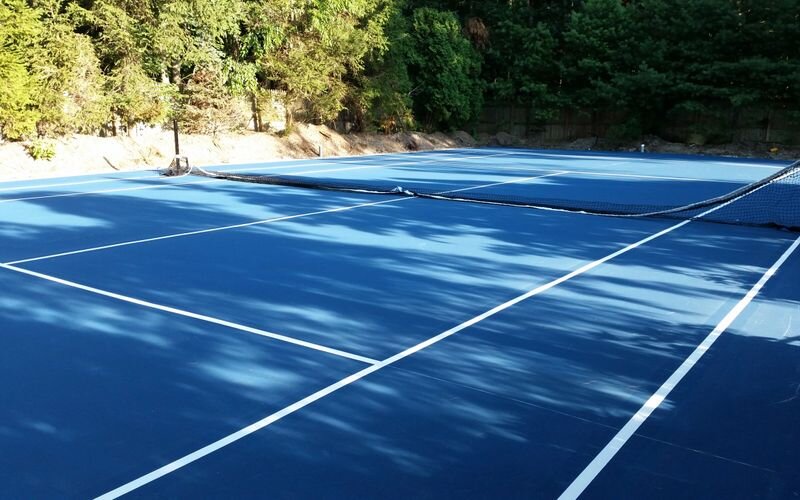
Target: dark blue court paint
(372,281)
(397,435)
(729,430)
(95,391)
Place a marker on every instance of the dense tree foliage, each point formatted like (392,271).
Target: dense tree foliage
(445,68)
(20,33)
(107,65)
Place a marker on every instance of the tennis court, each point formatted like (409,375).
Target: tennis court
(192,336)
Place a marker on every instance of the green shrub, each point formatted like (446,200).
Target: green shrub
(41,150)
(630,129)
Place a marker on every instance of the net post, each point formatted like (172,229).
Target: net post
(175,137)
(178,166)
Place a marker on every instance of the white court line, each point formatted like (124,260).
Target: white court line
(106,191)
(173,184)
(365,163)
(165,185)
(212,165)
(189,314)
(78,183)
(207,181)
(152,175)
(210,319)
(602,459)
(425,152)
(280,166)
(513,181)
(204,231)
(298,405)
(160,185)
(266,221)
(748,165)
(644,176)
(634,159)
(270,419)
(602,173)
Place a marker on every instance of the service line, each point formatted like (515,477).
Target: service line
(270,220)
(298,405)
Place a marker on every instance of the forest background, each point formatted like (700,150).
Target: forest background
(693,71)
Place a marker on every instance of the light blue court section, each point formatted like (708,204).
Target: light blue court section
(78,186)
(496,160)
(95,391)
(63,218)
(130,180)
(54,216)
(631,169)
(702,161)
(598,346)
(50,225)
(532,184)
(8,187)
(649,180)
(692,166)
(86,180)
(373,281)
(114,182)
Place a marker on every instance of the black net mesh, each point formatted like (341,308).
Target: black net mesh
(772,201)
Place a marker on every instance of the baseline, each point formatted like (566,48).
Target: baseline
(600,173)
(594,155)
(74,183)
(165,185)
(366,163)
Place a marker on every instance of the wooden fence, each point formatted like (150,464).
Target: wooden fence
(745,126)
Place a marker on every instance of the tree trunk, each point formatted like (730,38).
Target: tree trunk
(289,118)
(258,125)
(768,128)
(176,75)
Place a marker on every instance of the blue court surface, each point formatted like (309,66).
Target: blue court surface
(188,337)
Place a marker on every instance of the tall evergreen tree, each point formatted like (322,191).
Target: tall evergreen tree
(20,33)
(445,70)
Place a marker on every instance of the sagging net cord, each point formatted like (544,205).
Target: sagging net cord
(689,211)
(732,196)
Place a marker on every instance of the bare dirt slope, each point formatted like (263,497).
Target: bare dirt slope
(150,149)
(83,154)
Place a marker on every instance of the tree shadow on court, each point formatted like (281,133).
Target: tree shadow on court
(522,402)
(96,391)
(541,386)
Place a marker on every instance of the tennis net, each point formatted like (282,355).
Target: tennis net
(772,201)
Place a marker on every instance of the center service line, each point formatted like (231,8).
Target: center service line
(270,419)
